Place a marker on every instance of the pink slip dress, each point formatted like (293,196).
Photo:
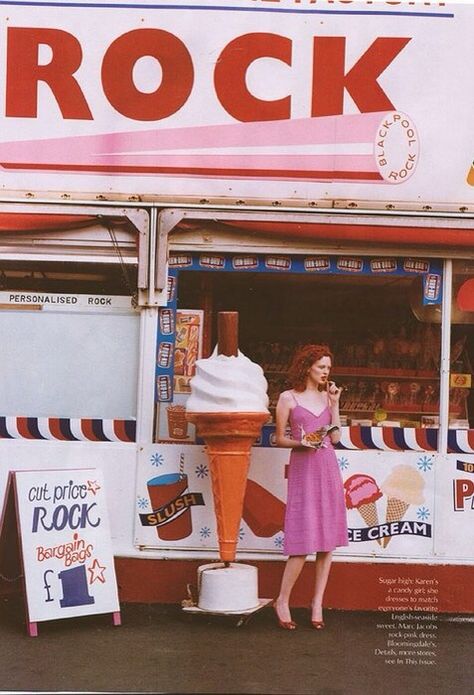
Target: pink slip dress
(315,517)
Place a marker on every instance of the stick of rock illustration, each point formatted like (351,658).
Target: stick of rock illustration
(361,493)
(375,147)
(403,487)
(229,405)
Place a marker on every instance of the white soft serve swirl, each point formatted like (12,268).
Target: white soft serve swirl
(225,384)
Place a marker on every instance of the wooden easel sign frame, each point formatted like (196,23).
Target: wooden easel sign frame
(62,543)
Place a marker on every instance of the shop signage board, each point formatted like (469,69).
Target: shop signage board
(311,100)
(455,506)
(174,507)
(64,542)
(63,301)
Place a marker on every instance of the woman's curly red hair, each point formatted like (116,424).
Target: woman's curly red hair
(302,362)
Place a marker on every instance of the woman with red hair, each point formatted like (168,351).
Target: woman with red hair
(315,519)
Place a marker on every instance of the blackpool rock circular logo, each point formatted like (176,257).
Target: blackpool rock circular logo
(397,147)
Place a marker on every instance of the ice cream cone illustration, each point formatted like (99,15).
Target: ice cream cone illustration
(228,405)
(361,493)
(369,514)
(396,509)
(403,487)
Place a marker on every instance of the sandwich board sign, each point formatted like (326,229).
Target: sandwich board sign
(59,518)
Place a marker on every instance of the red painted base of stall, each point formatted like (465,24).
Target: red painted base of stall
(352,586)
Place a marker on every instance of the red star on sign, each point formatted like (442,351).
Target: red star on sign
(97,572)
(93,486)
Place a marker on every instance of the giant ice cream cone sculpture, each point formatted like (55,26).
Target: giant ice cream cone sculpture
(228,404)
(403,487)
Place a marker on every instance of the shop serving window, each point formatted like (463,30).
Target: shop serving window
(70,337)
(380,316)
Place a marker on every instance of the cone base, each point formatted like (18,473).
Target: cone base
(232,588)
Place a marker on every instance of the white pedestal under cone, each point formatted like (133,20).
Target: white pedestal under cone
(227,589)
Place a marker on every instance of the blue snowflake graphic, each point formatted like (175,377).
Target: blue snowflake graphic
(205,532)
(423,513)
(241,533)
(425,463)
(201,471)
(157,459)
(278,542)
(343,463)
(142,503)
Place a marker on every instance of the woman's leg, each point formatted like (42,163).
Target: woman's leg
(292,571)
(323,565)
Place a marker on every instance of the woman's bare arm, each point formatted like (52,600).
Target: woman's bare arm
(285,402)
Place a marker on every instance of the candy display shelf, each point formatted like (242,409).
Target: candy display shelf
(378,393)
(385,372)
